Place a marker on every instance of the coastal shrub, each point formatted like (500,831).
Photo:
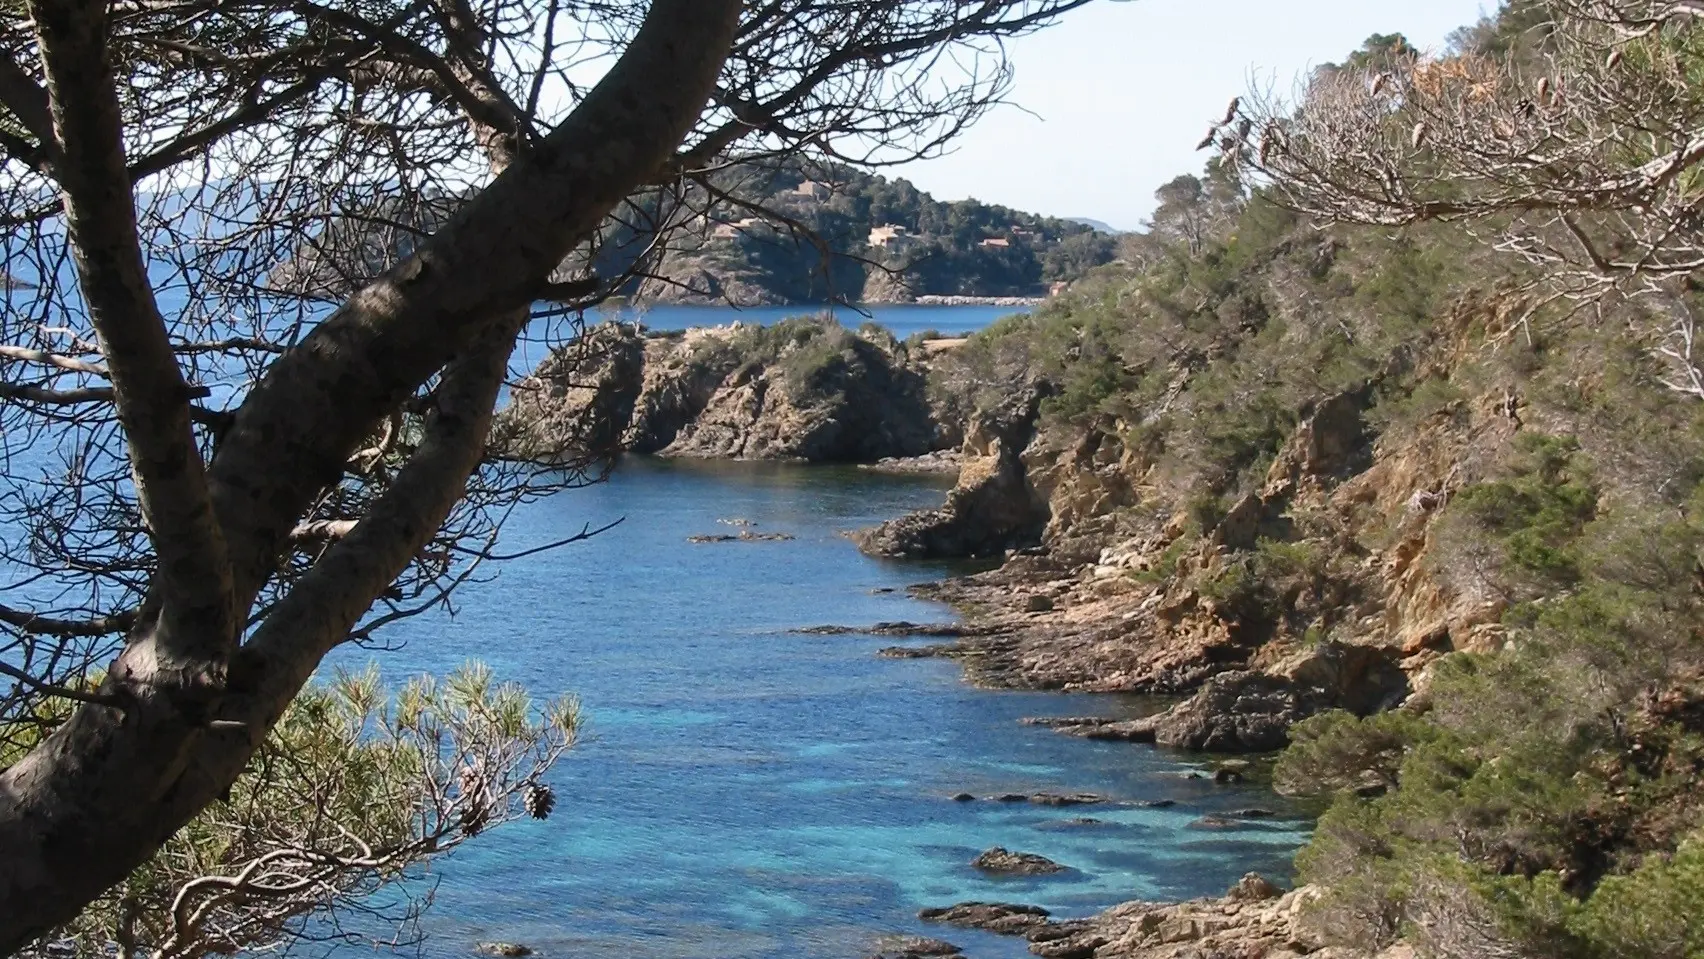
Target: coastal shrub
(1413,271)
(879,336)
(806,365)
(1280,560)
(1538,523)
(1656,911)
(1242,429)
(1337,751)
(1525,529)
(1263,585)
(1236,590)
(1397,409)
(1206,510)
(916,340)
(1165,565)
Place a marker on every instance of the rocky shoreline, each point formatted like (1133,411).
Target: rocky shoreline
(1257,627)
(1254,920)
(1111,580)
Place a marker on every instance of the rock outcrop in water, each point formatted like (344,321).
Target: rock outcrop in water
(1005,862)
(913,947)
(992,508)
(804,389)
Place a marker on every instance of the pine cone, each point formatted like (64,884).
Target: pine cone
(538,801)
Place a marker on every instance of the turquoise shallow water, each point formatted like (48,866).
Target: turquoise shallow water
(745,791)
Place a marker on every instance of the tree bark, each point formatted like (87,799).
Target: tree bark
(100,795)
(198,626)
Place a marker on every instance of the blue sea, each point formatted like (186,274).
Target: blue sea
(747,791)
(743,791)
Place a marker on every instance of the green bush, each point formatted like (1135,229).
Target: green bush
(1538,514)
(1165,567)
(1338,751)
(1398,409)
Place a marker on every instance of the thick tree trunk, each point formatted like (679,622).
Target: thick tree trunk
(106,789)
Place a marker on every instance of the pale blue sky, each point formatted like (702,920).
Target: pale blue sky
(1125,90)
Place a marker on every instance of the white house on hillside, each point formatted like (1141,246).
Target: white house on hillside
(892,237)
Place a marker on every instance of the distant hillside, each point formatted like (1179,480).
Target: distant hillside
(886,241)
(1100,225)
(771,236)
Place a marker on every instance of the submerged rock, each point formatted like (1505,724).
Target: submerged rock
(1096,727)
(1002,917)
(744,536)
(1006,862)
(913,947)
(1247,711)
(898,628)
(1215,822)
(940,462)
(1051,799)
(508,950)
(921,652)
(1066,799)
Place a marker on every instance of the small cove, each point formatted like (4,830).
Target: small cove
(744,790)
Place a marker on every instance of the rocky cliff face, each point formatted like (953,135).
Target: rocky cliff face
(991,509)
(1254,919)
(804,390)
(1319,588)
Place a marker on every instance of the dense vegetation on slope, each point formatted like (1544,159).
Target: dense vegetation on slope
(963,248)
(1542,792)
